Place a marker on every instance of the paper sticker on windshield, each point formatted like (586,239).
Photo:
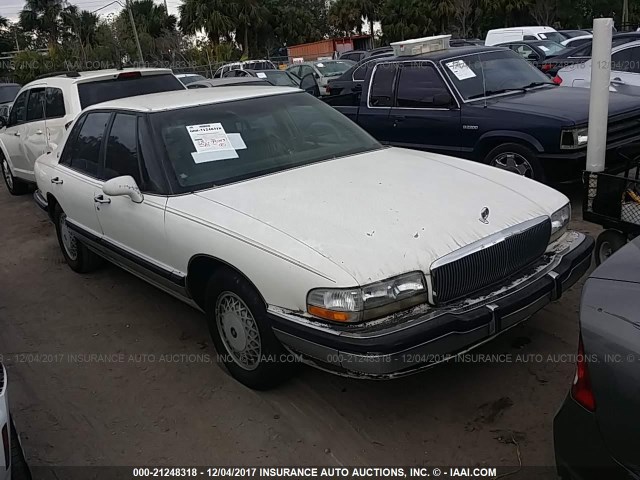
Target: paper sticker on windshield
(211,143)
(320,65)
(261,75)
(460,69)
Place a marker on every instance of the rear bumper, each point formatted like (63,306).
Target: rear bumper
(423,336)
(580,451)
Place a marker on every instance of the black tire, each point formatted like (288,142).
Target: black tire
(266,365)
(14,185)
(19,467)
(607,243)
(516,158)
(80,259)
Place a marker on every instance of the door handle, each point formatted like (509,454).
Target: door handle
(56,180)
(398,119)
(617,81)
(17,134)
(101,199)
(38,132)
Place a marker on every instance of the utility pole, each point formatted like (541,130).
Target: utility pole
(15,31)
(625,14)
(135,32)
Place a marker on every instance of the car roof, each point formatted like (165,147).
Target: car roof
(622,46)
(443,54)
(67,78)
(173,100)
(533,28)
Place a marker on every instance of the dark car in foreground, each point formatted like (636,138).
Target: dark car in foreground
(485,104)
(597,430)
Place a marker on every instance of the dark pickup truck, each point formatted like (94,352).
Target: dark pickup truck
(485,104)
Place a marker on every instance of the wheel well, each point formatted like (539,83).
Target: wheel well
(492,142)
(51,205)
(200,269)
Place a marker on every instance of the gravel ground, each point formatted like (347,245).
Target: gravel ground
(157,399)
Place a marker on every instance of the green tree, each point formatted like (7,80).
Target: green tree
(404,19)
(346,16)
(211,16)
(43,17)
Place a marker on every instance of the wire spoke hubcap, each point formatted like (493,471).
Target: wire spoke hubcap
(7,174)
(238,330)
(513,162)
(68,239)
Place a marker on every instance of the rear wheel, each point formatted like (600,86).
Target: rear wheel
(516,158)
(14,185)
(607,243)
(241,333)
(77,255)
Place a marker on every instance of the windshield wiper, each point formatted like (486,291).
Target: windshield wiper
(497,92)
(537,84)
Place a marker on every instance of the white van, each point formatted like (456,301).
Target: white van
(517,34)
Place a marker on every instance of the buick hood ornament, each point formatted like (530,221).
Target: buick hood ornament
(484,215)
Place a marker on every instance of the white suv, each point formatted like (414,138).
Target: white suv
(44,108)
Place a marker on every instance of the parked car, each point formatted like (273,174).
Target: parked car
(8,92)
(517,34)
(227,82)
(625,71)
(44,108)
(249,64)
(535,51)
(187,78)
(322,71)
(280,78)
(351,81)
(574,42)
(486,104)
(12,462)
(232,185)
(4,112)
(597,430)
(581,54)
(359,55)
(574,33)
(463,42)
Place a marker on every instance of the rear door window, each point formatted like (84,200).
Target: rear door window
(104,90)
(382,85)
(121,156)
(54,103)
(35,105)
(419,85)
(84,155)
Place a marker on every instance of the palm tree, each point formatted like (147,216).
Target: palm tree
(83,24)
(151,18)
(212,16)
(43,18)
(346,16)
(249,13)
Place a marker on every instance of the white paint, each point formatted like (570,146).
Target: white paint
(599,98)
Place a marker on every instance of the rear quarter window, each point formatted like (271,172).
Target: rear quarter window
(91,93)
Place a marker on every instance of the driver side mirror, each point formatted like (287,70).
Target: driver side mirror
(120,186)
(442,100)
(309,85)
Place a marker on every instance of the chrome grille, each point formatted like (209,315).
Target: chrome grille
(456,276)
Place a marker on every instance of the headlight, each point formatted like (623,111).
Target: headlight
(371,301)
(574,138)
(559,221)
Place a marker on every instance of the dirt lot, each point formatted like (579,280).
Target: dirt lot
(74,410)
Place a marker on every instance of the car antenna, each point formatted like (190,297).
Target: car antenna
(484,83)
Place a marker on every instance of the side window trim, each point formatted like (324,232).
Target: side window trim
(393,83)
(64,108)
(26,102)
(139,160)
(36,89)
(73,135)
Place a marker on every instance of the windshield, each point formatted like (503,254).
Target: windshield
(279,78)
(550,49)
(334,68)
(216,144)
(191,78)
(503,71)
(91,93)
(553,36)
(8,93)
(258,65)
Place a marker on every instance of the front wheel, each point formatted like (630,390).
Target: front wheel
(241,333)
(14,185)
(516,158)
(607,243)
(77,255)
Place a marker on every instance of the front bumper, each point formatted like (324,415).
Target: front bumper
(423,336)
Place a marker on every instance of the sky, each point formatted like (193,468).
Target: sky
(11,8)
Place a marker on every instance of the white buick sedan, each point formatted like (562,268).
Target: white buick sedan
(300,236)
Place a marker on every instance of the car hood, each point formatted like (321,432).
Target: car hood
(390,211)
(568,104)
